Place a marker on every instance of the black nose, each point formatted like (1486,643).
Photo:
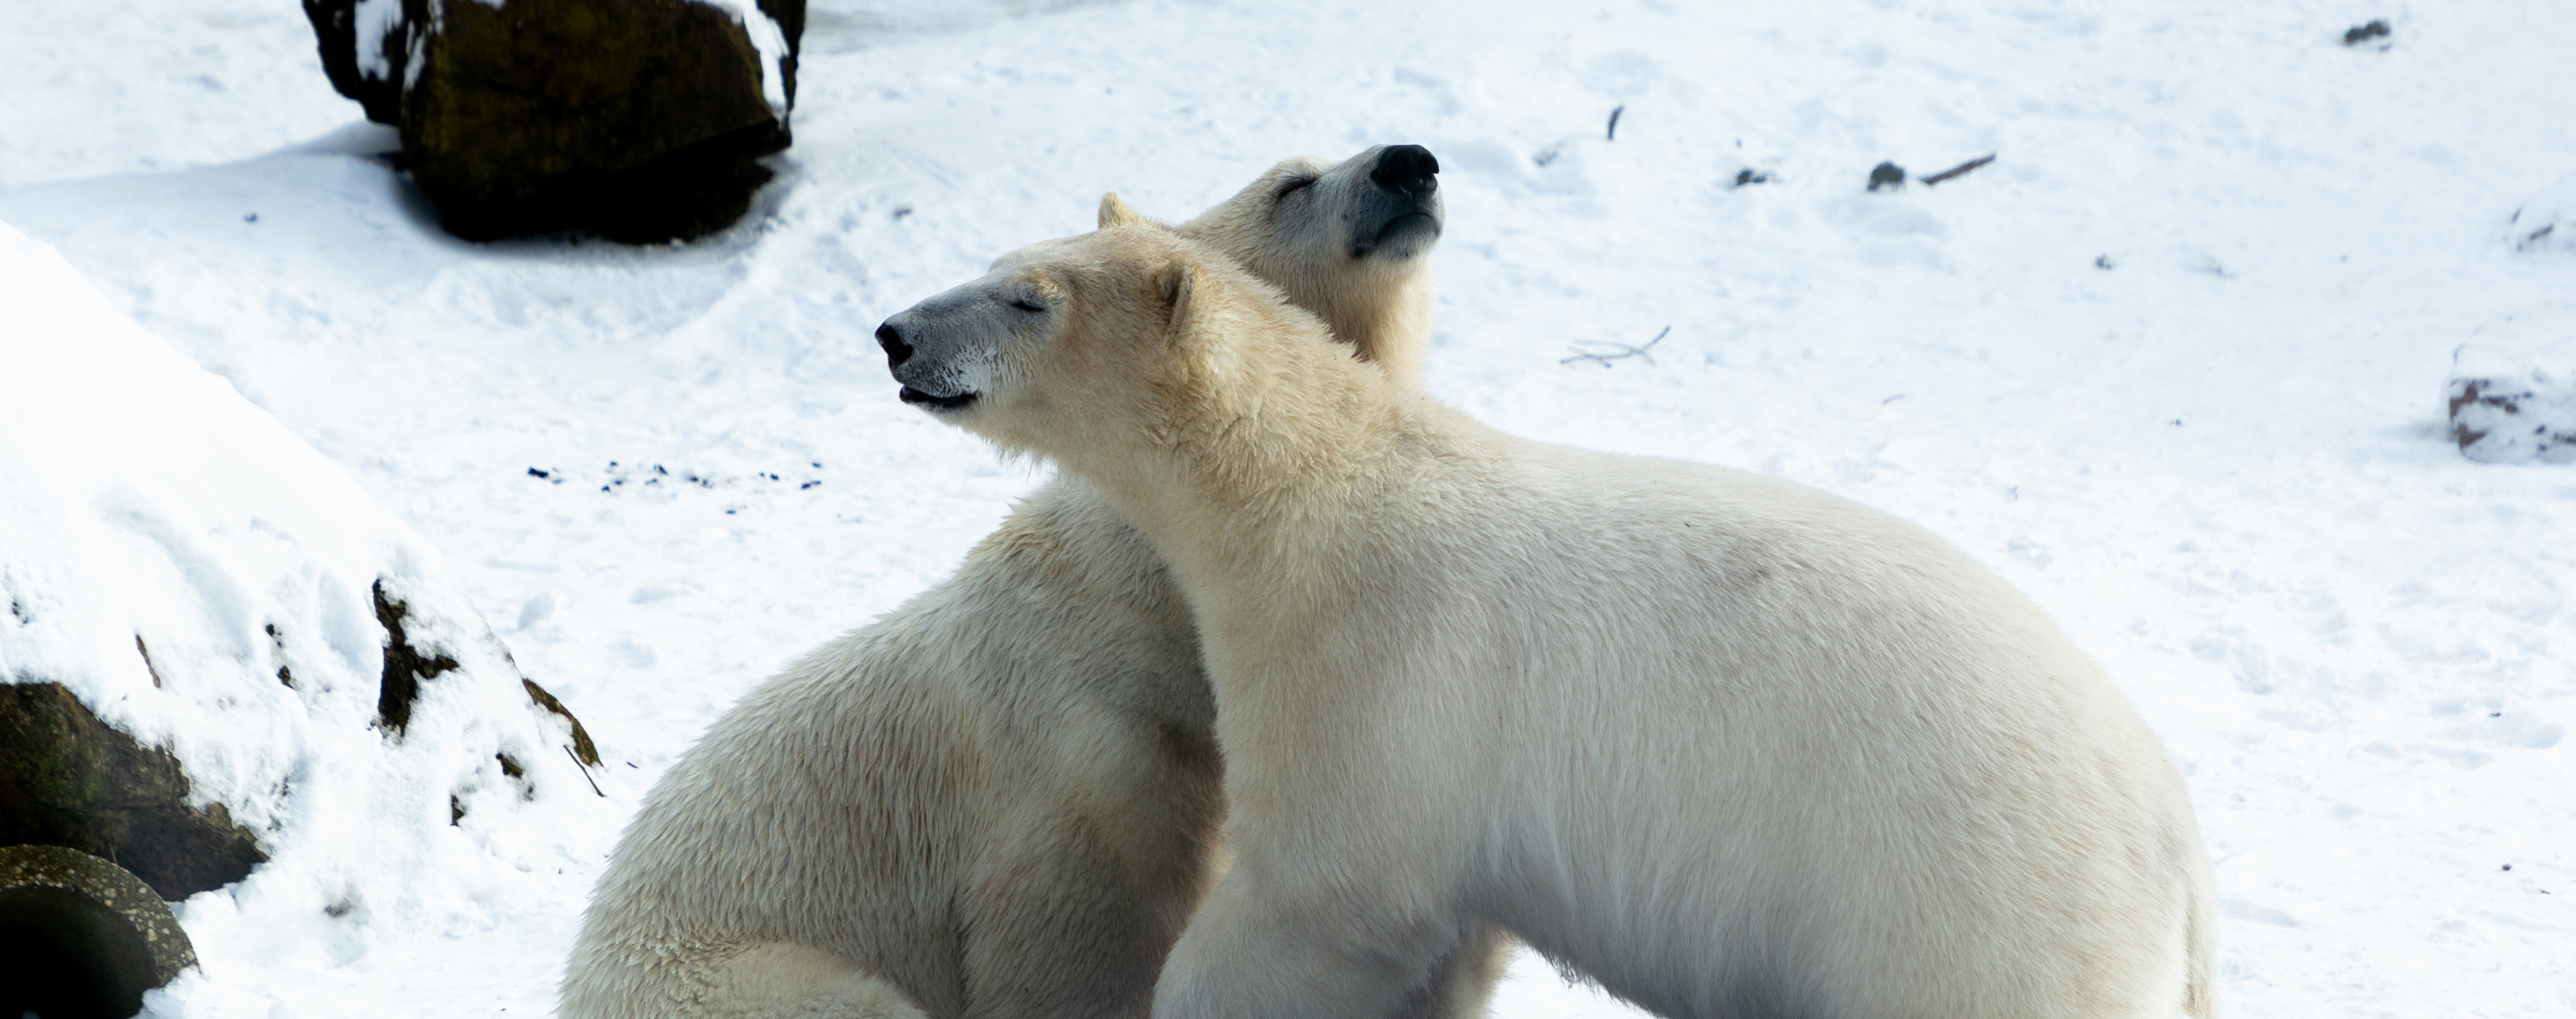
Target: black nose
(1406,169)
(897,351)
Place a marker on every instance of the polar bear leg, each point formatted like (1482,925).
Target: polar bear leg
(1461,985)
(765,980)
(778,980)
(1045,934)
(1250,956)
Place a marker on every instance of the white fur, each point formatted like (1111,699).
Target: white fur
(1731,746)
(1000,800)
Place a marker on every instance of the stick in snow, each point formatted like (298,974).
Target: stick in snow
(1614,122)
(585,772)
(1618,351)
(1959,169)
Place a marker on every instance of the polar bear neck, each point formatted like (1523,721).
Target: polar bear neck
(1391,326)
(1273,428)
(1381,310)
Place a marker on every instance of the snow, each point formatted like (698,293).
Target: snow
(372,25)
(2223,462)
(2547,220)
(206,582)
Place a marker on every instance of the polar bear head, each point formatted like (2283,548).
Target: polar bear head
(1106,350)
(1348,241)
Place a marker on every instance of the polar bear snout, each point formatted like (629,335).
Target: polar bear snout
(935,356)
(1407,169)
(897,351)
(1397,214)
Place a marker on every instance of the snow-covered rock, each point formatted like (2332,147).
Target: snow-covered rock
(70,780)
(365,45)
(203,581)
(2508,407)
(2546,221)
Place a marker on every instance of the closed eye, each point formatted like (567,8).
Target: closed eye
(1028,306)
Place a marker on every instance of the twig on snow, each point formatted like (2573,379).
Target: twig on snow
(1959,169)
(1615,111)
(1617,351)
(585,772)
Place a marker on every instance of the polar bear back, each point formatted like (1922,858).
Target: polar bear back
(858,794)
(1696,692)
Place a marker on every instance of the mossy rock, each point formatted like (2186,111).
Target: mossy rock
(80,936)
(68,779)
(639,119)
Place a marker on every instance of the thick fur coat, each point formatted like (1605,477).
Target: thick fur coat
(1731,746)
(1002,800)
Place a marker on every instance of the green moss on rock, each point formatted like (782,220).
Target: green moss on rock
(81,936)
(68,779)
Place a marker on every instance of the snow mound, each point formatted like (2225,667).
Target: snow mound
(207,583)
(2508,407)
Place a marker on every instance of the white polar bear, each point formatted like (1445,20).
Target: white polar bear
(1731,746)
(1002,799)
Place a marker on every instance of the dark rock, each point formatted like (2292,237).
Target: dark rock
(583,749)
(2358,34)
(405,665)
(1887,177)
(367,70)
(640,120)
(80,936)
(68,779)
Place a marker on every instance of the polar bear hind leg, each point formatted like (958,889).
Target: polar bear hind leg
(778,980)
(767,980)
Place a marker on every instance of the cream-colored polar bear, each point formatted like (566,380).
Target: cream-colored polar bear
(1729,745)
(1001,799)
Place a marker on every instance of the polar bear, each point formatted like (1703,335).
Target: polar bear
(1730,746)
(1001,799)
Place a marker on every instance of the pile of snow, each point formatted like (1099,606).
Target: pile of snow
(2508,407)
(148,506)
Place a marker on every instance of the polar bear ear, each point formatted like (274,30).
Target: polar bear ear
(1176,283)
(1114,212)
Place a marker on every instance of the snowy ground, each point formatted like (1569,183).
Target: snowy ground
(2221,460)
